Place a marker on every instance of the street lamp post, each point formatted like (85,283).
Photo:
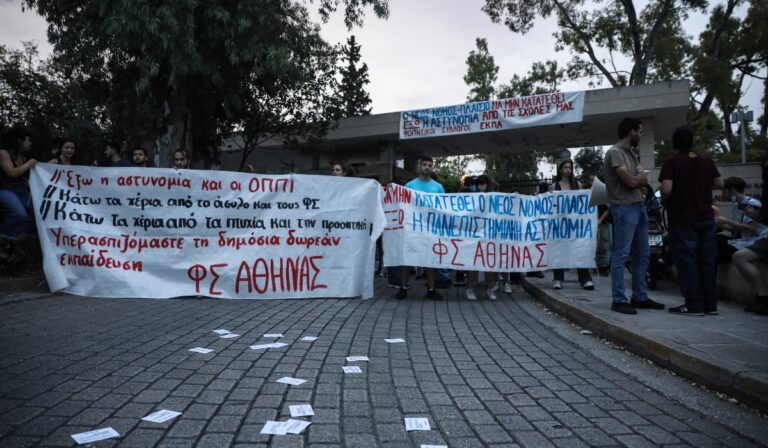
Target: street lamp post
(743,117)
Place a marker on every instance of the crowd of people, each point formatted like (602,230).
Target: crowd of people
(697,234)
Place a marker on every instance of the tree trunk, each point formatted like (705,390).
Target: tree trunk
(764,121)
(175,114)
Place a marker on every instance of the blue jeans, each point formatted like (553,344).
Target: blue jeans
(14,203)
(630,230)
(694,248)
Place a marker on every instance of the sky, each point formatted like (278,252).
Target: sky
(417,57)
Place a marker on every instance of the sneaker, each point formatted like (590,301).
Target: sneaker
(491,294)
(470,294)
(557,285)
(508,288)
(683,309)
(401,294)
(432,294)
(623,308)
(711,312)
(647,304)
(588,285)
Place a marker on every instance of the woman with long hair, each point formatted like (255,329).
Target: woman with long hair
(565,180)
(15,197)
(66,154)
(342,169)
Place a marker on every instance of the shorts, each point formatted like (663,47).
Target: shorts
(760,247)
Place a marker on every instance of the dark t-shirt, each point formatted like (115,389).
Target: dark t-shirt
(692,175)
(121,162)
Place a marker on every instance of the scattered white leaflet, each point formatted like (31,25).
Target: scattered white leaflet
(301,410)
(200,350)
(356,358)
(95,435)
(395,341)
(417,424)
(291,381)
(161,416)
(273,335)
(351,369)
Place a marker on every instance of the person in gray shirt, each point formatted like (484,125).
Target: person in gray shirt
(623,178)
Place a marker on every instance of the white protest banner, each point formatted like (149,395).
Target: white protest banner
(160,233)
(497,232)
(493,115)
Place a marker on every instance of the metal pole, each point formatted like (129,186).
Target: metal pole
(743,144)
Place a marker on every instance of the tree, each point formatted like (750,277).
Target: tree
(35,94)
(481,76)
(595,36)
(354,98)
(194,62)
(590,160)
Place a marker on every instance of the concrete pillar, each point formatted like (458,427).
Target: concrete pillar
(646,148)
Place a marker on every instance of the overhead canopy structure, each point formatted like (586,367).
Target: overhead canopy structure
(375,138)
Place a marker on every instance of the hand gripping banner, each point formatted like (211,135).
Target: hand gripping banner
(496,232)
(160,233)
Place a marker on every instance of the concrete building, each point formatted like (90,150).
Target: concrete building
(372,142)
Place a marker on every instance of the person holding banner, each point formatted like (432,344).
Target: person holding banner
(623,178)
(140,159)
(67,153)
(15,197)
(479,184)
(565,180)
(342,169)
(426,184)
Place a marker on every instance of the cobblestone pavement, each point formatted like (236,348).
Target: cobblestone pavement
(504,373)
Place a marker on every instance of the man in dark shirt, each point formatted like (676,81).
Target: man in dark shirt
(687,180)
(114,155)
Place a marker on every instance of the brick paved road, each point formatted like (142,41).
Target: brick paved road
(484,374)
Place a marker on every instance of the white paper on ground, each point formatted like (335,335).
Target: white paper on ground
(351,369)
(161,416)
(309,338)
(295,426)
(200,350)
(272,345)
(356,358)
(291,381)
(274,428)
(301,410)
(229,336)
(434,446)
(273,335)
(95,435)
(395,341)
(221,331)
(417,424)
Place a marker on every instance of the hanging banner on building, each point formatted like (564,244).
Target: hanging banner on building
(496,232)
(494,115)
(160,233)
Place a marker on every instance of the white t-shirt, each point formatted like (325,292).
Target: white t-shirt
(738,215)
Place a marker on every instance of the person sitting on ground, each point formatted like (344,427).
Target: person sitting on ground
(744,230)
(140,158)
(564,181)
(114,155)
(15,196)
(745,259)
(426,184)
(67,153)
(479,184)
(343,169)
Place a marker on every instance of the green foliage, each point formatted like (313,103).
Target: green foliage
(188,73)
(36,94)
(590,160)
(450,170)
(355,101)
(481,72)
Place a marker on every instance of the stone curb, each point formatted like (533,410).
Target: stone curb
(750,387)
